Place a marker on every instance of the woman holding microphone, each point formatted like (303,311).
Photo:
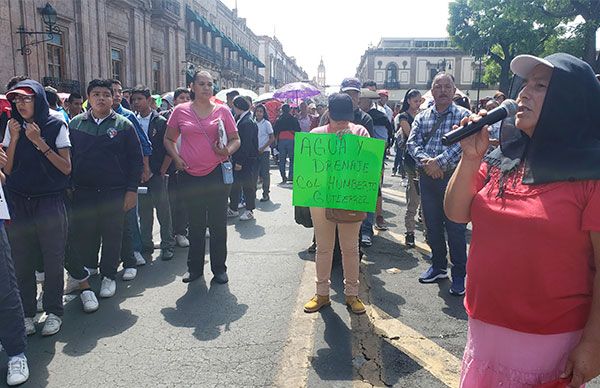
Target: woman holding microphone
(533,289)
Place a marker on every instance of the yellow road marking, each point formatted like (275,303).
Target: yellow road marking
(436,360)
(294,365)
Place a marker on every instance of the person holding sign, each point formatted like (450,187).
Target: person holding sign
(203,163)
(37,171)
(341,113)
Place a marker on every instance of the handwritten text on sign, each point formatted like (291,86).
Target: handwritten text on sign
(330,172)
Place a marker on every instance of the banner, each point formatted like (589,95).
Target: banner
(330,172)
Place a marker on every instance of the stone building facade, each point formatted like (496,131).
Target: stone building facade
(400,64)
(158,43)
(280,68)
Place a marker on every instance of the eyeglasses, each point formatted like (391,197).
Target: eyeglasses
(22,99)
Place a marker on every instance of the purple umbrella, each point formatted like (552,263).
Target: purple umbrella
(296,90)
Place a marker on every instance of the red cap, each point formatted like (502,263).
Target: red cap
(383,92)
(24,91)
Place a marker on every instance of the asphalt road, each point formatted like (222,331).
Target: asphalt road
(160,332)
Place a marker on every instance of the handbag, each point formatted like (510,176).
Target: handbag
(302,216)
(341,216)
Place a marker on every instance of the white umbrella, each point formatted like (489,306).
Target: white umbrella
(222,95)
(265,97)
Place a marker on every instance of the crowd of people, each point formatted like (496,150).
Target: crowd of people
(82,183)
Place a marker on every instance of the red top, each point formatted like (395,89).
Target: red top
(531,261)
(198,136)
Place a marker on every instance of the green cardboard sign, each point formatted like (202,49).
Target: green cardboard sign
(330,172)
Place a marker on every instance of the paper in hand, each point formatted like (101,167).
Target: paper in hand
(222,134)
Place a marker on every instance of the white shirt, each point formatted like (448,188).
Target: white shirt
(62,140)
(144,122)
(264,130)
(57,115)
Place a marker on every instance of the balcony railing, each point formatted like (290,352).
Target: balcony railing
(391,85)
(169,8)
(201,50)
(260,79)
(62,85)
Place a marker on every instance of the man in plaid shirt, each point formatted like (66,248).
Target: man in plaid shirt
(436,164)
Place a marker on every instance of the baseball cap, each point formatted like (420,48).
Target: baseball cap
(340,107)
(350,84)
(383,92)
(522,65)
(368,93)
(24,91)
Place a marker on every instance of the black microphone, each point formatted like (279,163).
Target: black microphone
(506,109)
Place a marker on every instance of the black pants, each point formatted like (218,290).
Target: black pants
(179,215)
(244,180)
(156,198)
(12,330)
(127,245)
(206,201)
(39,228)
(98,218)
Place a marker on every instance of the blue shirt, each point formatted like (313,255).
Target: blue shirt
(446,157)
(144,141)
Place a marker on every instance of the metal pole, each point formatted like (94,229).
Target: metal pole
(479,82)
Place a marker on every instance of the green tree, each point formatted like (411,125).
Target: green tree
(584,33)
(500,30)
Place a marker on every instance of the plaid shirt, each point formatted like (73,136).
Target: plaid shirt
(446,157)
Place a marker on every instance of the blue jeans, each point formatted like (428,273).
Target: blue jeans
(432,202)
(286,150)
(366,228)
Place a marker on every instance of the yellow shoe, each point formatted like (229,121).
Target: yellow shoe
(355,304)
(316,303)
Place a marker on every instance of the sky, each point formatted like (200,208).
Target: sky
(340,30)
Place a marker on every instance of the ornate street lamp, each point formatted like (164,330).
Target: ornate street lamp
(49,18)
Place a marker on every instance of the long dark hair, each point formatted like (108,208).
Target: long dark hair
(264,109)
(411,93)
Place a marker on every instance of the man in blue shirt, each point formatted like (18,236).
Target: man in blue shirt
(436,163)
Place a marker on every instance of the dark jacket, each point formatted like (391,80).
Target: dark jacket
(156,134)
(32,173)
(248,152)
(105,156)
(380,118)
(286,122)
(363,119)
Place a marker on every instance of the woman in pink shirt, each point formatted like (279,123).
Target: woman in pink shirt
(199,159)
(533,286)
(341,113)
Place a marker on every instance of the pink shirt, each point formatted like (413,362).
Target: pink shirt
(531,261)
(354,128)
(198,136)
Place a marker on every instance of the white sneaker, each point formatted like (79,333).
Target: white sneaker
(232,213)
(247,216)
(108,288)
(182,241)
(241,205)
(71,285)
(18,371)
(52,325)
(40,302)
(89,301)
(29,326)
(139,259)
(129,274)
(39,277)
(92,271)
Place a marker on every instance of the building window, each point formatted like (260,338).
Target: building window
(156,85)
(56,56)
(391,73)
(116,59)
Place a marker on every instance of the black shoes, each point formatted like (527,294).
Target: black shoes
(265,198)
(221,278)
(191,276)
(167,254)
(409,240)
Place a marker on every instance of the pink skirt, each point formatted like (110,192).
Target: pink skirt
(499,357)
